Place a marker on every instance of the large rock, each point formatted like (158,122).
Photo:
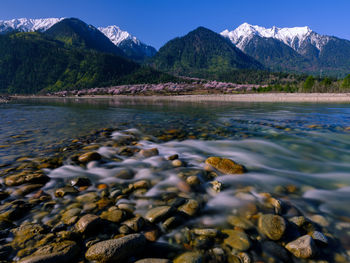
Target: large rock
(237,239)
(116,250)
(158,213)
(66,251)
(303,247)
(273,226)
(225,166)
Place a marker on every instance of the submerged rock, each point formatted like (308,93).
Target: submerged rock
(303,247)
(116,250)
(237,239)
(190,208)
(26,178)
(225,166)
(89,156)
(189,257)
(149,152)
(273,226)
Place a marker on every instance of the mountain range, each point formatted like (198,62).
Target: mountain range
(297,49)
(65,53)
(129,44)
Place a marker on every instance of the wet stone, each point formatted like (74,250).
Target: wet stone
(236,239)
(189,257)
(149,152)
(208,232)
(193,180)
(125,174)
(135,223)
(303,247)
(67,190)
(153,260)
(275,250)
(87,198)
(319,237)
(89,156)
(115,216)
(240,222)
(225,166)
(66,251)
(273,226)
(158,213)
(27,189)
(190,208)
(71,216)
(26,178)
(116,250)
(87,224)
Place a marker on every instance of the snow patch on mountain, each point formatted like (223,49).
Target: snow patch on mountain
(117,36)
(27,24)
(295,37)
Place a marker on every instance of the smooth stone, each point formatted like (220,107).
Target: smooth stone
(142,184)
(87,198)
(237,239)
(66,251)
(116,250)
(89,156)
(158,213)
(319,219)
(190,208)
(240,222)
(177,163)
(26,178)
(193,180)
(87,224)
(71,216)
(173,157)
(115,215)
(135,223)
(149,152)
(298,220)
(67,190)
(225,166)
(273,226)
(125,174)
(189,257)
(216,186)
(208,232)
(303,247)
(153,260)
(27,189)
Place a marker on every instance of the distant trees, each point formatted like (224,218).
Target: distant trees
(346,82)
(308,84)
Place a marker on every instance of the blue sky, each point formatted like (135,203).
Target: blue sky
(157,21)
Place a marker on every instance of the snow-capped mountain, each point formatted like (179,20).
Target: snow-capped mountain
(28,25)
(295,37)
(117,36)
(128,43)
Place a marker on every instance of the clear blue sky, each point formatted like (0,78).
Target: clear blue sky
(157,21)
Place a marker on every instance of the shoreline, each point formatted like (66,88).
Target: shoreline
(265,97)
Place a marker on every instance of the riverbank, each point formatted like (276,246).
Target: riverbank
(253,97)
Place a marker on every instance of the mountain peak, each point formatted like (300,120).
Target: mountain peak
(28,24)
(292,37)
(117,35)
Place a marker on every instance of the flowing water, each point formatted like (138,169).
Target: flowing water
(303,145)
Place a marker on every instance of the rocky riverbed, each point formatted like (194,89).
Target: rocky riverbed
(121,196)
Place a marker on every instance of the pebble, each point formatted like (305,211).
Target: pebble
(89,156)
(177,163)
(237,239)
(158,213)
(240,222)
(87,224)
(303,247)
(273,226)
(190,208)
(189,257)
(225,166)
(149,152)
(115,215)
(116,250)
